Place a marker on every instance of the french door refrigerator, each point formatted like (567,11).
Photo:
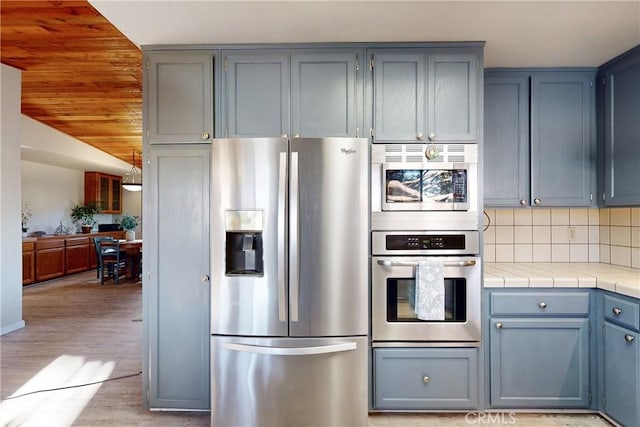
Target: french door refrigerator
(289,282)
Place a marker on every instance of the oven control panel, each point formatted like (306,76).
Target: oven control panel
(403,242)
(435,243)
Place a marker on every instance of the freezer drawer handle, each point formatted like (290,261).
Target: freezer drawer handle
(388,263)
(291,351)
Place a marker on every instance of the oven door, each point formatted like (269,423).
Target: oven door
(393,290)
(432,187)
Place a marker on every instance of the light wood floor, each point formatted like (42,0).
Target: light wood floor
(78,331)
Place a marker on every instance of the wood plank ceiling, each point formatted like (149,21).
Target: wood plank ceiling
(80,75)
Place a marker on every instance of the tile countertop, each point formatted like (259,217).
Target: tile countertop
(622,280)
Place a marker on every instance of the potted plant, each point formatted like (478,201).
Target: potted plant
(129,224)
(26,216)
(82,215)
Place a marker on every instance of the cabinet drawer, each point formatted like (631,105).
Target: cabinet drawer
(431,378)
(49,243)
(539,303)
(76,241)
(622,311)
(28,246)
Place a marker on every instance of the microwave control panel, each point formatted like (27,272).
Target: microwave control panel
(407,242)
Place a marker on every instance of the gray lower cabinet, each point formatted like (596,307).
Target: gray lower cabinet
(425,94)
(540,351)
(176,293)
(179,96)
(621,127)
(539,138)
(425,378)
(620,352)
(298,93)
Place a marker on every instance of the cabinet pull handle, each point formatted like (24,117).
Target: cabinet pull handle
(426,379)
(498,325)
(537,201)
(523,202)
(542,304)
(629,338)
(617,311)
(205,136)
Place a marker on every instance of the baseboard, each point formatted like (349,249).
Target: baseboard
(12,327)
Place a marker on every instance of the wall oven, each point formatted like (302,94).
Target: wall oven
(395,258)
(431,186)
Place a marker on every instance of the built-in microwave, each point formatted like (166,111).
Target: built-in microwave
(431,186)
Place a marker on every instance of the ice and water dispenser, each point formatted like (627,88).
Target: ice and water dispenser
(244,243)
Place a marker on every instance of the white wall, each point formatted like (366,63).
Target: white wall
(10,195)
(132,205)
(51,192)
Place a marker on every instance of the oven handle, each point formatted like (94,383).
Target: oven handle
(387,263)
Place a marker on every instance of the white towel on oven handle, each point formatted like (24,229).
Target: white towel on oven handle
(429,302)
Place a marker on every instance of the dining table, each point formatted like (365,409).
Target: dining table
(133,249)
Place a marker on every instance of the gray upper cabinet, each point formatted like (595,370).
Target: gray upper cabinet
(562,138)
(506,136)
(324,94)
(179,91)
(176,292)
(539,138)
(257,94)
(621,81)
(297,93)
(425,94)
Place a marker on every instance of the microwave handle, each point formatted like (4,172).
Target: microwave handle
(387,263)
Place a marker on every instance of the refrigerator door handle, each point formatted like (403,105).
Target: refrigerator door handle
(291,351)
(294,223)
(282,286)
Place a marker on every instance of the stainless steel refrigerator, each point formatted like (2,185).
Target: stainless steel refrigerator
(289,282)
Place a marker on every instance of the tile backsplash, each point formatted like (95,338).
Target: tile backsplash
(610,236)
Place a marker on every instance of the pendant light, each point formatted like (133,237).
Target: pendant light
(133,180)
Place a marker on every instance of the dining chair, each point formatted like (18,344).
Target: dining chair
(111,259)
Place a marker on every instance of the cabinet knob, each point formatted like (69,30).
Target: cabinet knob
(426,379)
(617,311)
(205,278)
(421,136)
(537,201)
(204,136)
(523,202)
(432,136)
(498,325)
(297,135)
(629,338)
(542,304)
(284,135)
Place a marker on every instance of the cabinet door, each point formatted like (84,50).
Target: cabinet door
(323,94)
(539,363)
(256,88)
(431,378)
(180,97)
(76,258)
(176,290)
(622,130)
(622,374)
(399,96)
(561,138)
(453,97)
(28,267)
(506,139)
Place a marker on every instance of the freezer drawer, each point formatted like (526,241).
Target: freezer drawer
(289,381)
